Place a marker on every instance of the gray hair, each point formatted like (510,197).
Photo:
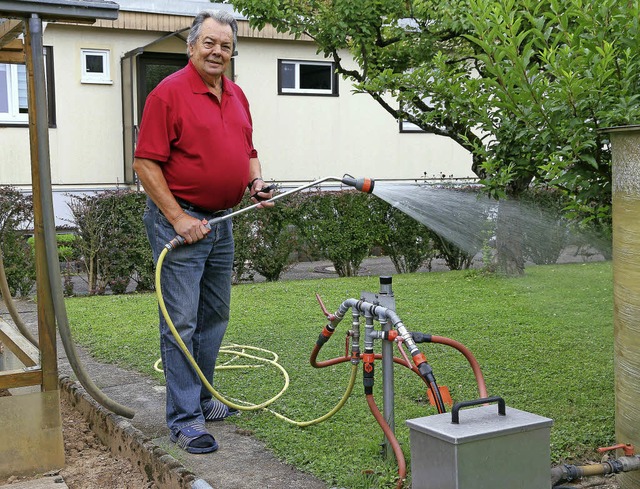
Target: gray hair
(220,16)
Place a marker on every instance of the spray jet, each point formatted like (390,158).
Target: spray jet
(362,184)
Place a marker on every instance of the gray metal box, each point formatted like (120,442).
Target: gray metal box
(484,451)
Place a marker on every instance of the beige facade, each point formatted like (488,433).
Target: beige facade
(299,137)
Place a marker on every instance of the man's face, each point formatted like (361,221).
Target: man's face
(211,53)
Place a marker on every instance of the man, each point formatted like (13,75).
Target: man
(195,159)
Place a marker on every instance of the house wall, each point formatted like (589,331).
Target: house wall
(307,137)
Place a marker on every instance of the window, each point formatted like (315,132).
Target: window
(13,94)
(406,126)
(307,78)
(95,66)
(14,107)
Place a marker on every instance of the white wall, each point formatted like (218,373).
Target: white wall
(307,137)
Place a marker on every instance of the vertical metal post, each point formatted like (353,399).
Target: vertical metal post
(42,199)
(386,299)
(386,293)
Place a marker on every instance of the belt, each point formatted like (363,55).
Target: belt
(188,206)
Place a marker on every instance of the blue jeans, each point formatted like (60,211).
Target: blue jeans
(196,287)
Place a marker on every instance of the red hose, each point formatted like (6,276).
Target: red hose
(325,363)
(402,465)
(475,366)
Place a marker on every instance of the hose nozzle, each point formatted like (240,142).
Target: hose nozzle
(362,184)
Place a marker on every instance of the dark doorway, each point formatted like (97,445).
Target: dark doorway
(152,69)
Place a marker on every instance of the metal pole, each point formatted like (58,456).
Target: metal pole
(388,394)
(385,299)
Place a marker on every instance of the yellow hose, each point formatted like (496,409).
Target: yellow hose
(245,406)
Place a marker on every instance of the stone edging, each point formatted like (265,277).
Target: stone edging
(125,440)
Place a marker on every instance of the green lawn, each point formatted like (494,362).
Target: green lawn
(544,342)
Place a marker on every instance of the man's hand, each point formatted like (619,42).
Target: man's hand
(190,228)
(260,193)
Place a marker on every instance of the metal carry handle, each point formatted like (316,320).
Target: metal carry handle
(455,417)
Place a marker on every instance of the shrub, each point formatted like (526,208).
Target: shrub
(454,257)
(265,240)
(16,211)
(341,225)
(19,264)
(408,243)
(112,240)
(273,241)
(242,237)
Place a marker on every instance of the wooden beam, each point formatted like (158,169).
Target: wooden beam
(19,345)
(9,30)
(11,51)
(14,45)
(12,57)
(10,379)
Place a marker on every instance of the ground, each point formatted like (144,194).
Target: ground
(88,463)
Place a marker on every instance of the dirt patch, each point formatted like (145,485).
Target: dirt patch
(88,463)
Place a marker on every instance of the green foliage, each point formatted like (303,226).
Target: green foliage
(525,85)
(265,240)
(16,212)
(243,232)
(522,331)
(112,240)
(555,73)
(341,227)
(408,243)
(67,251)
(454,257)
(19,264)
(274,241)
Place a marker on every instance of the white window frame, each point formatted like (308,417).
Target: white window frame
(406,126)
(332,91)
(103,77)
(13,114)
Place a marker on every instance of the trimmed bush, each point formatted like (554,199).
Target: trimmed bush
(341,226)
(16,214)
(112,240)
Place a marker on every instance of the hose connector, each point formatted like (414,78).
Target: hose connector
(363,184)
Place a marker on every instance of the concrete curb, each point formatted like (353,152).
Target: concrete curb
(125,440)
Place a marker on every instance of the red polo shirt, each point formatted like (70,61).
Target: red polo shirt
(202,145)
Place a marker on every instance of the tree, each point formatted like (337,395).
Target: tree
(525,85)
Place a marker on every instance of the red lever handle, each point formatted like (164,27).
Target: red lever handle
(628,449)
